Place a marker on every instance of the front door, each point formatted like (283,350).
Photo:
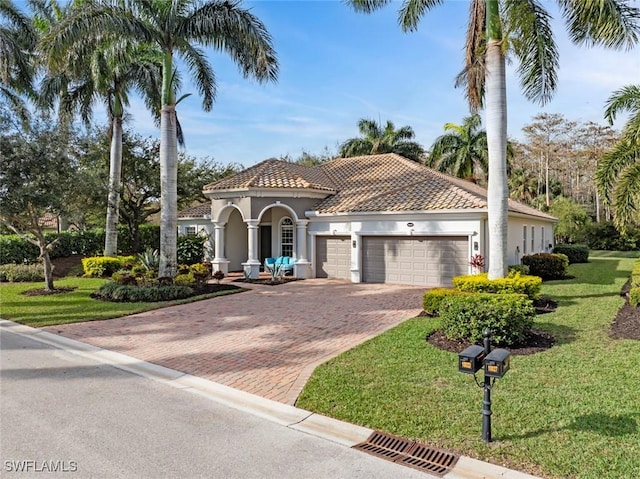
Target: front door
(265,243)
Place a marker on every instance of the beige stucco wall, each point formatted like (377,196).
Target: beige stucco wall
(542,237)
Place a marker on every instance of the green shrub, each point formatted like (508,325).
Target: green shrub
(21,273)
(605,236)
(466,317)
(634,297)
(149,260)
(547,265)
(98,266)
(184,279)
(124,277)
(514,283)
(432,299)
(576,253)
(190,249)
(523,269)
(126,293)
(17,250)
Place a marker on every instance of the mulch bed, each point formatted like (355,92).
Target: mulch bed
(626,324)
(535,341)
(267,281)
(44,292)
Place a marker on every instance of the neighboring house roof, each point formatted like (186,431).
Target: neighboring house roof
(274,173)
(373,183)
(198,211)
(49,221)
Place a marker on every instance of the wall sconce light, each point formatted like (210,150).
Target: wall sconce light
(475,246)
(410,225)
(353,243)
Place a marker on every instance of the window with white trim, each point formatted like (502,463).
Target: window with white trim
(190,230)
(286,237)
(524,240)
(542,248)
(533,239)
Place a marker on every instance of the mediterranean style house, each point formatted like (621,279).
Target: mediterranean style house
(378,218)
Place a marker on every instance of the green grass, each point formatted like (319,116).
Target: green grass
(572,411)
(72,307)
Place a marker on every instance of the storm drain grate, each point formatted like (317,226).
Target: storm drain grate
(409,453)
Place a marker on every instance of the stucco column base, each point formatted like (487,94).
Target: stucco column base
(251,269)
(219,264)
(302,269)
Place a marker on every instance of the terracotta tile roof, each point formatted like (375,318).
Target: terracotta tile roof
(274,173)
(373,183)
(197,211)
(49,221)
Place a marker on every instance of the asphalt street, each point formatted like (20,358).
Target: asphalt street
(64,415)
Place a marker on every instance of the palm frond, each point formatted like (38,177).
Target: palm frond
(412,10)
(609,23)
(472,76)
(366,6)
(531,36)
(626,196)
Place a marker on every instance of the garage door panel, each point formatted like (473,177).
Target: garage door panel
(333,257)
(429,261)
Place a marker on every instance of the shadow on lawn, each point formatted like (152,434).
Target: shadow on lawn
(601,424)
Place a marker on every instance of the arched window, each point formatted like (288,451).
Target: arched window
(286,237)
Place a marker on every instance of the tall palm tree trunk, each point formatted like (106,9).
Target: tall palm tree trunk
(496,108)
(168,191)
(113,203)
(168,173)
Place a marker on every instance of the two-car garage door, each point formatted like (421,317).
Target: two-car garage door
(420,260)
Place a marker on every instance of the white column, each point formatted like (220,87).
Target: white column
(252,266)
(301,247)
(219,263)
(302,266)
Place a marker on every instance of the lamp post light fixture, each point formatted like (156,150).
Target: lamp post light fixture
(495,365)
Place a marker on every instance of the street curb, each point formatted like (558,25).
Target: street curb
(286,415)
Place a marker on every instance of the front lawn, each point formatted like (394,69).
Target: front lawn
(74,306)
(570,411)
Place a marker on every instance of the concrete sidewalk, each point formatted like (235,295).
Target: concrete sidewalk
(285,415)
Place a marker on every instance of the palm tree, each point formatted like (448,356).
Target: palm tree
(17,41)
(612,24)
(177,27)
(618,174)
(461,152)
(376,139)
(523,186)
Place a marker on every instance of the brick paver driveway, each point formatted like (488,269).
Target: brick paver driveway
(266,341)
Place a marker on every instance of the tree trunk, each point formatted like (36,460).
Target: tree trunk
(48,268)
(497,191)
(168,192)
(113,204)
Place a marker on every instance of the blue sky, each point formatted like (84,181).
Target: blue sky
(337,66)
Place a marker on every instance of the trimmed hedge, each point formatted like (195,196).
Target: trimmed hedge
(14,249)
(432,299)
(514,283)
(98,266)
(126,293)
(576,253)
(18,273)
(634,297)
(190,249)
(466,317)
(547,265)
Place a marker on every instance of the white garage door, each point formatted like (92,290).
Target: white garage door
(333,257)
(419,260)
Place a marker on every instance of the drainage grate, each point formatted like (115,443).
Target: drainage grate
(409,453)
